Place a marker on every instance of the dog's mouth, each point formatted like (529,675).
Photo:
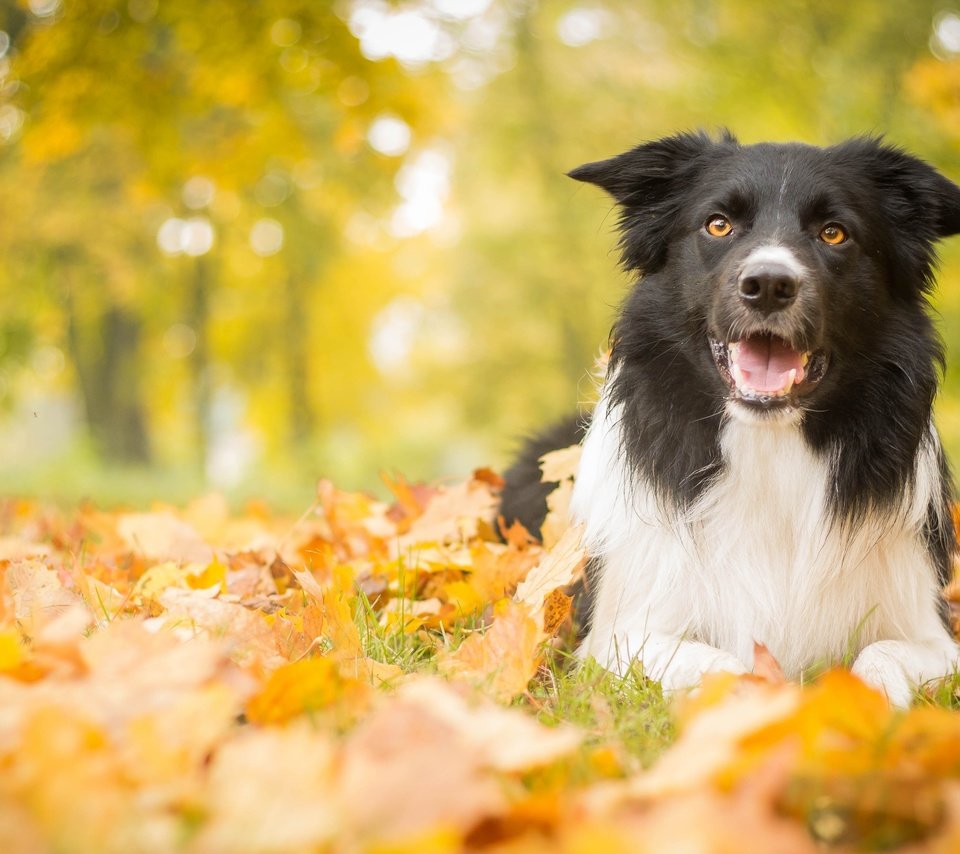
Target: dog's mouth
(765,370)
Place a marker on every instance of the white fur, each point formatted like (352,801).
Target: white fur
(775,254)
(758,559)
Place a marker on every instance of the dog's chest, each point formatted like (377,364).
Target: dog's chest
(765,560)
(757,558)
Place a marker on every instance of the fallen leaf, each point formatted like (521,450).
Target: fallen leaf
(561,464)
(765,666)
(303,687)
(560,567)
(506,739)
(557,608)
(163,537)
(38,595)
(386,794)
(557,521)
(504,658)
(271,790)
(452,516)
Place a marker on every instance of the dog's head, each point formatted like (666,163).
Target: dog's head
(788,261)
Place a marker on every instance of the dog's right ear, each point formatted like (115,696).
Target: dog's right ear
(647,183)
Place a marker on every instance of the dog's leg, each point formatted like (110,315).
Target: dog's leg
(670,660)
(899,667)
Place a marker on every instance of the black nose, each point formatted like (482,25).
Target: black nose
(768,286)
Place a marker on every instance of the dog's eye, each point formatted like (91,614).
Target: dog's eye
(832,234)
(718,226)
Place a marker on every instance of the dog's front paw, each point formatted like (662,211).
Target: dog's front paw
(898,668)
(878,666)
(689,663)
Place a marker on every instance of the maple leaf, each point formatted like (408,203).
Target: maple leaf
(453,515)
(558,467)
(505,739)
(247,631)
(504,658)
(561,464)
(428,724)
(162,536)
(338,626)
(560,567)
(38,596)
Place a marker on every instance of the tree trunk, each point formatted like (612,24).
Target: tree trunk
(302,421)
(105,354)
(199,312)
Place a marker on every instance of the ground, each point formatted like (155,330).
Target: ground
(398,676)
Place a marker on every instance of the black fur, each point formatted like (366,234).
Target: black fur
(864,303)
(524,496)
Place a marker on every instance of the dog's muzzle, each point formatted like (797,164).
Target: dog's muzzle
(765,370)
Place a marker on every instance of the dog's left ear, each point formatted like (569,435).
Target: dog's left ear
(947,196)
(916,191)
(647,182)
(922,206)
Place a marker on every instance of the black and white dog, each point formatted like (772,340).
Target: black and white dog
(761,465)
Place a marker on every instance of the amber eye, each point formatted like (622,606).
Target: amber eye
(718,226)
(832,234)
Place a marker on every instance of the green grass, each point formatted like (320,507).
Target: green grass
(628,719)
(629,715)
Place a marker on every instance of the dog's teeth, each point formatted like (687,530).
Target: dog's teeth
(804,358)
(738,377)
(789,385)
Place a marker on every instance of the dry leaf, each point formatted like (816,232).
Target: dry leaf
(506,739)
(560,567)
(765,666)
(452,516)
(560,465)
(38,595)
(406,771)
(162,536)
(304,687)
(504,658)
(270,790)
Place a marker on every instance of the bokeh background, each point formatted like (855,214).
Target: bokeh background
(247,244)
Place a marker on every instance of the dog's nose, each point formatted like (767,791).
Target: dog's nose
(768,287)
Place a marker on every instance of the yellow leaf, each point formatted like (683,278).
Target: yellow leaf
(560,566)
(213,574)
(464,596)
(302,687)
(11,650)
(158,578)
(557,520)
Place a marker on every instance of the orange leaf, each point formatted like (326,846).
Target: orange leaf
(766,666)
(303,687)
(505,657)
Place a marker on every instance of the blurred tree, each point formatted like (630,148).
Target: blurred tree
(345,227)
(569,82)
(192,122)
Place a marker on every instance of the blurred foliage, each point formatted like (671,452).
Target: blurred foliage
(245,244)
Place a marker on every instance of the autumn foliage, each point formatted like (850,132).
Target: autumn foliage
(376,677)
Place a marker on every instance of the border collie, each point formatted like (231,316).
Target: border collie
(761,465)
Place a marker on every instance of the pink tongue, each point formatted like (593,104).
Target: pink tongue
(765,363)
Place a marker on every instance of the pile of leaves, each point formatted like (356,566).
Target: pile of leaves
(396,677)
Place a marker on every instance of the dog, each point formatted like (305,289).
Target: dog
(761,466)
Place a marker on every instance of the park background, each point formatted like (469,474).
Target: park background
(247,244)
